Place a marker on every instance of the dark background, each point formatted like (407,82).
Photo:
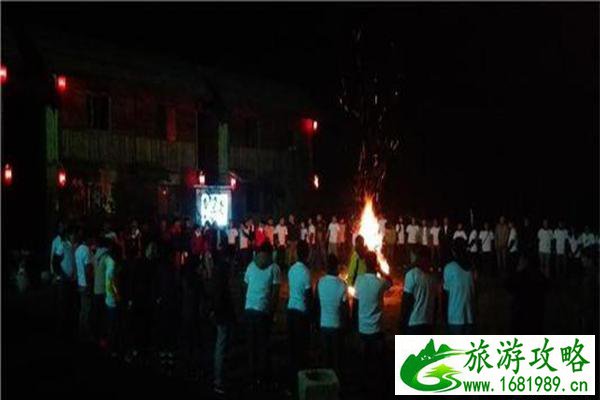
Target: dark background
(499,102)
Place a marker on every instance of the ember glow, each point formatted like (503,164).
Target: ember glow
(369,230)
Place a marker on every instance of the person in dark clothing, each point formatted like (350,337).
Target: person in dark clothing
(528,287)
(223,315)
(165,298)
(527,239)
(192,296)
(446,235)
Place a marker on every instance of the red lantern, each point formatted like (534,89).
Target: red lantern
(232,183)
(62,178)
(3,74)
(315,125)
(7,175)
(201,178)
(61,83)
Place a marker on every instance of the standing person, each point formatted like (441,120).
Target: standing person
(223,315)
(459,233)
(528,287)
(281,235)
(303,232)
(357,266)
(418,299)
(389,243)
(232,237)
(401,235)
(574,251)
(260,235)
(67,292)
(333,236)
(321,228)
(332,306)
(370,289)
(446,235)
(588,243)
(85,280)
(459,292)
(342,240)
(513,248)
(472,247)
(57,250)
(269,231)
(262,279)
(112,301)
(501,236)
(528,238)
(293,236)
(312,242)
(425,234)
(99,300)
(298,312)
(435,245)
(545,247)
(245,250)
(561,237)
(486,239)
(412,231)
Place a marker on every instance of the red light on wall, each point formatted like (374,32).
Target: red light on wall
(7,175)
(232,183)
(61,83)
(3,74)
(309,125)
(201,178)
(62,178)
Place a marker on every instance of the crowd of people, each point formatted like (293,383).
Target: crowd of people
(152,289)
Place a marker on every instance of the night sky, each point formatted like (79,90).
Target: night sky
(499,101)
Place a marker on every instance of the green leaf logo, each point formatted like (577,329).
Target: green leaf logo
(445,375)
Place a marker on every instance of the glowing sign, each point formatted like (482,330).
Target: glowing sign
(213,207)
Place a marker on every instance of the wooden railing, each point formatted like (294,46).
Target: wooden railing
(123,149)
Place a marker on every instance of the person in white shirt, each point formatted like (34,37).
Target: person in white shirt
(424,234)
(370,289)
(459,292)
(333,237)
(486,239)
(401,237)
(459,233)
(262,279)
(472,247)
(382,223)
(412,232)
(311,239)
(244,240)
(513,247)
(435,244)
(281,234)
(303,231)
(298,311)
(332,305)
(561,238)
(574,248)
(85,273)
(419,298)
(545,237)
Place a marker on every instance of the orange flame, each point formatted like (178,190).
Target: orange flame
(369,230)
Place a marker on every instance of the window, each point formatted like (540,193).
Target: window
(98,111)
